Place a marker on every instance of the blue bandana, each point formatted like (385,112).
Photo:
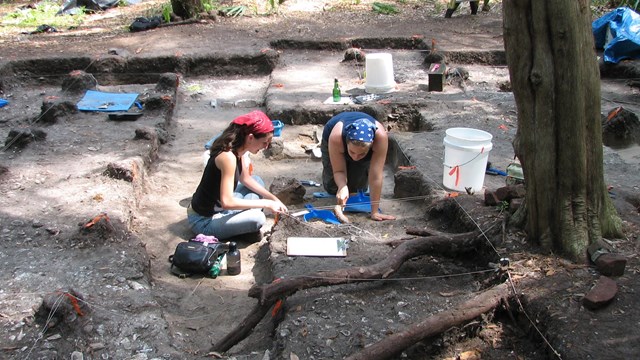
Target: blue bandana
(361,130)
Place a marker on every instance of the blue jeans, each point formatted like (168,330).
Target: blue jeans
(230,223)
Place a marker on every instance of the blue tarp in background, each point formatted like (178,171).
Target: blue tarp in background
(624,39)
(102,101)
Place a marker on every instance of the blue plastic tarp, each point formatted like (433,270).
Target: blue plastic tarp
(618,33)
(102,101)
(3,102)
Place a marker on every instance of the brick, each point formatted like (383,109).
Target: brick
(490,198)
(506,193)
(611,264)
(601,294)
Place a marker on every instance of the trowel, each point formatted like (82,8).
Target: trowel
(360,202)
(324,215)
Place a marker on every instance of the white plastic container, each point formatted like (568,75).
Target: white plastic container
(466,153)
(379,70)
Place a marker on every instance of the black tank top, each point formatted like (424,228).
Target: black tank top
(206,199)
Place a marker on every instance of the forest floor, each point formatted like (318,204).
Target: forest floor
(103,290)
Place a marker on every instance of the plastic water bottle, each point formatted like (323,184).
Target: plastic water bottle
(215,269)
(337,94)
(233,259)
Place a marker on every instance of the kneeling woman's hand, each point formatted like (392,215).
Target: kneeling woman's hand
(278,207)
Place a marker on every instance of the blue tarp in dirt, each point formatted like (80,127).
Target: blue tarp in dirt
(618,33)
(102,101)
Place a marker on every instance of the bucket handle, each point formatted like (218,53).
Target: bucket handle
(456,168)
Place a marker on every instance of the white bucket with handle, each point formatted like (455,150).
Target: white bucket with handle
(466,153)
(379,70)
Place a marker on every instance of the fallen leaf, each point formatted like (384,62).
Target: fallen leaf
(278,85)
(470,355)
(550,272)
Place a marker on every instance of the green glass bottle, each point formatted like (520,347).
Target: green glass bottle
(337,95)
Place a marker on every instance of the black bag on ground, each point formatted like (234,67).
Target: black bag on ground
(193,257)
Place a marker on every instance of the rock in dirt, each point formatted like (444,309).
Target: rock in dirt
(620,127)
(354,54)
(601,294)
(78,81)
(409,183)
(168,82)
(289,190)
(54,108)
(20,138)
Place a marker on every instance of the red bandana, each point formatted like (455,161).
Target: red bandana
(257,121)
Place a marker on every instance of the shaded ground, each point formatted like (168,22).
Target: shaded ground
(133,308)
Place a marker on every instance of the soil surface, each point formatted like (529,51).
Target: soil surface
(92,207)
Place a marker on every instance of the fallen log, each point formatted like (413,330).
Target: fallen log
(394,344)
(448,244)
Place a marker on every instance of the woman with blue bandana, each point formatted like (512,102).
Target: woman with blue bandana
(354,149)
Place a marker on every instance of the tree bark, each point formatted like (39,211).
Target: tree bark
(187,9)
(555,79)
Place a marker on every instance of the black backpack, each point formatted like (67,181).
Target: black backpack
(194,257)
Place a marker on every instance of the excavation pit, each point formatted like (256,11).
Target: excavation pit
(67,171)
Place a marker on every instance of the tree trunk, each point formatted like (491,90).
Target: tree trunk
(187,9)
(556,85)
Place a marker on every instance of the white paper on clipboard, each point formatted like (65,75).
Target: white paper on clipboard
(314,246)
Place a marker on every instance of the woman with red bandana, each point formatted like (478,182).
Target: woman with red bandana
(354,149)
(229,200)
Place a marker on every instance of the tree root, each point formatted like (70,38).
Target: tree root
(394,344)
(268,294)
(444,244)
(244,328)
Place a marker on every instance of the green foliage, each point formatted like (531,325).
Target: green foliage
(44,13)
(439,7)
(601,7)
(502,206)
(167,9)
(632,4)
(233,11)
(273,5)
(209,5)
(383,8)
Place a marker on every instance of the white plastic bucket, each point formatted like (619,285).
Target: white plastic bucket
(379,70)
(466,152)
